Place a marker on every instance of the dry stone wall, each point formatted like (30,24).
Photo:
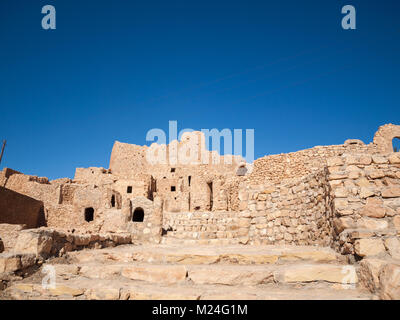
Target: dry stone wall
(366,204)
(294,212)
(276,168)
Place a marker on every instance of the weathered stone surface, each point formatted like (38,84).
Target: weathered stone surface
(390,282)
(103,294)
(369,273)
(310,273)
(341,193)
(230,276)
(25,287)
(373,208)
(334,161)
(156,273)
(60,290)
(375,174)
(379,159)
(391,192)
(366,192)
(343,223)
(100,272)
(33,241)
(372,224)
(394,158)
(396,222)
(369,247)
(393,247)
(9,262)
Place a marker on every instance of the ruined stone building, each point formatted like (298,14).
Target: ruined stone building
(343,197)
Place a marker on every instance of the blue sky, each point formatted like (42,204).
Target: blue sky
(112,70)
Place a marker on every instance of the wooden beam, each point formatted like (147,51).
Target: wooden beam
(2,149)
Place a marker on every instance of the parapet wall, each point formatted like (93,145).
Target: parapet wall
(276,168)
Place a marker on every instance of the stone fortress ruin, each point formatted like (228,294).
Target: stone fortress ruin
(317,223)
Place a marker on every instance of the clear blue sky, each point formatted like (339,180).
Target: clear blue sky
(112,70)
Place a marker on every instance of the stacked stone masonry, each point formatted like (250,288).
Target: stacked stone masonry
(343,196)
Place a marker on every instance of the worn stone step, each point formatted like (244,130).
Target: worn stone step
(230,233)
(214,274)
(231,254)
(83,289)
(169,240)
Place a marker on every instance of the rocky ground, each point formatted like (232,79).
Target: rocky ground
(171,271)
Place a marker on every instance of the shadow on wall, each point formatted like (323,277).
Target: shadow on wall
(16,208)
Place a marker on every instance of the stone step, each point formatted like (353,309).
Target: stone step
(205,235)
(213,274)
(169,240)
(230,254)
(81,288)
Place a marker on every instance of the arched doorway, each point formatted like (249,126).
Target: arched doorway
(138,215)
(113,201)
(396,144)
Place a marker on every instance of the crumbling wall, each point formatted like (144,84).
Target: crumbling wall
(94,175)
(383,138)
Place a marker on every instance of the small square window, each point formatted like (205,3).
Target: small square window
(173,188)
(172,169)
(129,189)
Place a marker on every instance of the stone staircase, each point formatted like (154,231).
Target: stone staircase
(195,272)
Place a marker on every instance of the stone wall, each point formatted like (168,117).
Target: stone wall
(16,208)
(276,168)
(295,212)
(206,225)
(366,203)
(47,242)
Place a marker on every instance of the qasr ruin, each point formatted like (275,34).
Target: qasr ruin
(320,223)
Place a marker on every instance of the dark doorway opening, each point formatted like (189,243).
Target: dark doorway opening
(210,192)
(189,180)
(396,144)
(173,188)
(138,215)
(129,189)
(89,214)
(113,201)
